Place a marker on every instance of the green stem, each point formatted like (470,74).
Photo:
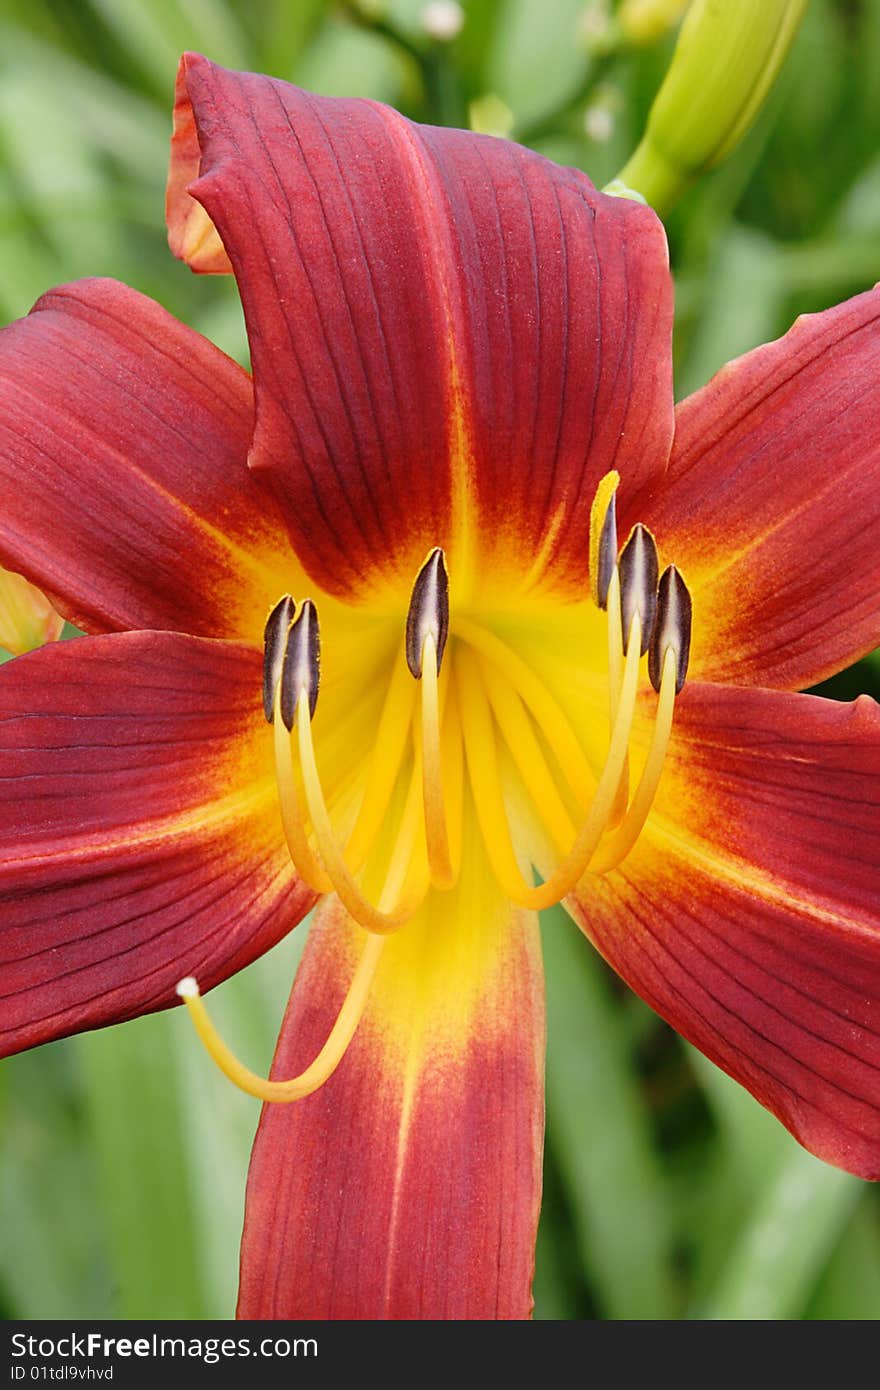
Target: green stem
(660,183)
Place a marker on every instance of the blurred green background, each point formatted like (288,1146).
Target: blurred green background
(669,1192)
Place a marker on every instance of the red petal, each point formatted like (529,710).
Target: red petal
(123,439)
(772,504)
(139,831)
(748,913)
(452,338)
(409,1186)
(191,233)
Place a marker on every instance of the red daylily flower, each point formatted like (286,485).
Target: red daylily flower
(457,350)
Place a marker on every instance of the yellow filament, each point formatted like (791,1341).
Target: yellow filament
(304,861)
(403,868)
(618,846)
(372,918)
(615,643)
(388,752)
(328,1058)
(482,760)
(548,715)
(519,736)
(432,771)
(615,664)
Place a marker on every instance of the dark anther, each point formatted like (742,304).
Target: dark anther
(639,568)
(428,611)
(673,628)
(301,671)
(274,643)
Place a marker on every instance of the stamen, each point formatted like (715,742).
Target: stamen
(301,668)
(428,612)
(638,582)
(304,861)
(295,699)
(615,640)
(372,918)
(605,588)
(618,846)
(427,628)
(603,537)
(327,1060)
(279,627)
(615,669)
(482,759)
(667,667)
(274,646)
(673,628)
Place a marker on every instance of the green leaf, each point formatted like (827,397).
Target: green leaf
(219,1122)
(600,1133)
(539,56)
(850,1285)
(53,1259)
(775,1262)
(132,1099)
(741,299)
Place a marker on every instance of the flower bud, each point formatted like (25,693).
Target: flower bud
(27,618)
(643,22)
(725,62)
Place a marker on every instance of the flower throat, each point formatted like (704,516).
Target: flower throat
(454,715)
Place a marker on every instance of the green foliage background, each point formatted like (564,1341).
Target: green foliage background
(669,1192)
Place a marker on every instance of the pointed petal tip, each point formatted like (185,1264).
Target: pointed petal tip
(192,236)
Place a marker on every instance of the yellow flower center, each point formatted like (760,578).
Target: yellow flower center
(461,703)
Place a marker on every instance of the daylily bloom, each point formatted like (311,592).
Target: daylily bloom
(461,398)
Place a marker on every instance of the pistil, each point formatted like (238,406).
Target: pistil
(327,1060)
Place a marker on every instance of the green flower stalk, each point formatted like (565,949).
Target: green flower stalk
(725,62)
